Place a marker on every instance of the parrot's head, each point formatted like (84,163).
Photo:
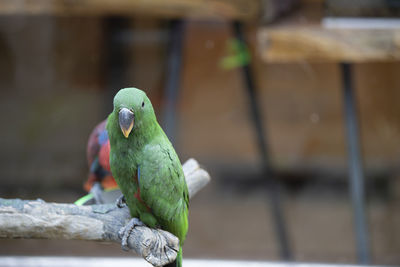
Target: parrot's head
(134,110)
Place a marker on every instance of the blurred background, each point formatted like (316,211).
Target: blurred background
(61,62)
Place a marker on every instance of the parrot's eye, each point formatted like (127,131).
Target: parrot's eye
(143,104)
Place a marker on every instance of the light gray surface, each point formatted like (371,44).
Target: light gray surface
(361,23)
(137,262)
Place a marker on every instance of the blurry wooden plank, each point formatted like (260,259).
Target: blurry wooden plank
(318,44)
(302,37)
(229,9)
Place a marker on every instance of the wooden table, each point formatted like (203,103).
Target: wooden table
(307,36)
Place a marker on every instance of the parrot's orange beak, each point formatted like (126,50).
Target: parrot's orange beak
(126,121)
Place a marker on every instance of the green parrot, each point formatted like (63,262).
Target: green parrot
(146,168)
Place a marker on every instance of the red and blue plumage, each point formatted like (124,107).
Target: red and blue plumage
(98,158)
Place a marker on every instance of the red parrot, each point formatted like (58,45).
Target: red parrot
(98,158)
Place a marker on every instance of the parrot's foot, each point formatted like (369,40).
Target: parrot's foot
(121,202)
(97,192)
(126,231)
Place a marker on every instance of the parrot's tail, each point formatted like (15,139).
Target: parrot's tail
(178,261)
(179,257)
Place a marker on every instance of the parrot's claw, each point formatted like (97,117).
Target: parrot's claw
(121,202)
(126,231)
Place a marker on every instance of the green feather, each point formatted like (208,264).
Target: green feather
(179,258)
(83,200)
(163,191)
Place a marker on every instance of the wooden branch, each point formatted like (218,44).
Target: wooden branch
(225,9)
(38,219)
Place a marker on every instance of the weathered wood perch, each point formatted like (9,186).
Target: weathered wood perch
(39,219)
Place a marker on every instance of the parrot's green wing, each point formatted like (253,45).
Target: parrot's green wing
(163,187)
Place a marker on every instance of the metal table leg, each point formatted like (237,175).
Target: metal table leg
(272,183)
(355,167)
(173,76)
